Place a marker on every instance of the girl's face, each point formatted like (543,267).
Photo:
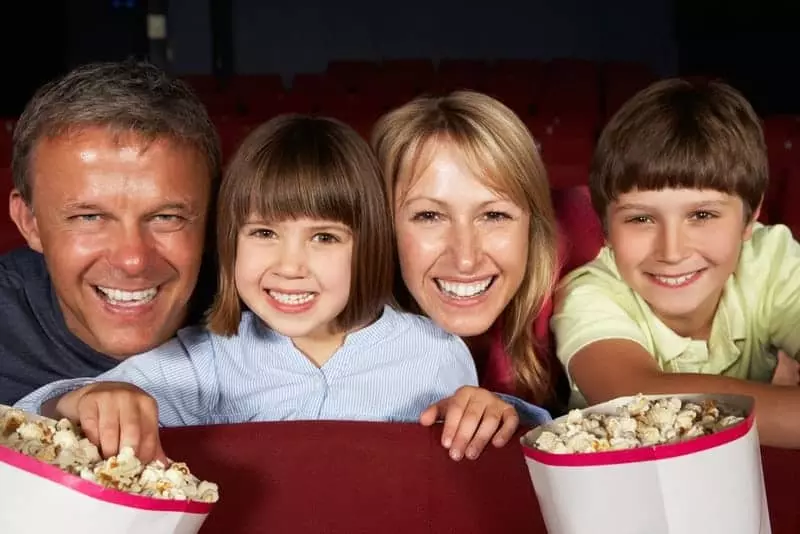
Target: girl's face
(295,275)
(463,248)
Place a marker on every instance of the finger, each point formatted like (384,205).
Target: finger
(108,427)
(89,418)
(148,427)
(469,419)
(486,429)
(160,455)
(453,409)
(510,419)
(431,413)
(130,431)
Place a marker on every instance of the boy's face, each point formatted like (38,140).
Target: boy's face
(676,248)
(295,275)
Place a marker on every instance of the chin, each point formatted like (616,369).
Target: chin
(121,351)
(461,329)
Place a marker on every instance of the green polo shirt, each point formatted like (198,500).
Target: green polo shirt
(758,314)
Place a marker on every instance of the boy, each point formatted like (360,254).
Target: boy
(690,293)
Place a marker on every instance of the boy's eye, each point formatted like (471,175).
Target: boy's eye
(703,215)
(325,237)
(426,216)
(639,219)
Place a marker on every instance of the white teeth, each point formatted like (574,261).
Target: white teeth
(292,298)
(134,297)
(674,280)
(460,290)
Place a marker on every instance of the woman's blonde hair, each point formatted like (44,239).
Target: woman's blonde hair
(498,148)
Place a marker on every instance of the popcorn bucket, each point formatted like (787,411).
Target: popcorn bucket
(39,497)
(710,484)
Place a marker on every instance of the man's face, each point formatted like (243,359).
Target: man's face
(121,223)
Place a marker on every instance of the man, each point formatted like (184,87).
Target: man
(115,167)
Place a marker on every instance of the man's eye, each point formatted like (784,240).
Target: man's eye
(86,217)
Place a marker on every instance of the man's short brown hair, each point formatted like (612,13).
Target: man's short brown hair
(681,134)
(297,166)
(125,97)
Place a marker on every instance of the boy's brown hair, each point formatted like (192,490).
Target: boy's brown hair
(681,134)
(296,166)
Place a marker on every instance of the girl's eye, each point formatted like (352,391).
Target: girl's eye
(639,219)
(263,233)
(324,237)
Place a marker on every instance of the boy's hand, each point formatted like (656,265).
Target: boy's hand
(787,372)
(114,415)
(472,417)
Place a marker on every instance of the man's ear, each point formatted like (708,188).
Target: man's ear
(22,215)
(748,229)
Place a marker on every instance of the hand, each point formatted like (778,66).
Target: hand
(114,415)
(472,417)
(787,372)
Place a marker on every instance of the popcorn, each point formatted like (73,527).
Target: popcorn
(59,443)
(639,423)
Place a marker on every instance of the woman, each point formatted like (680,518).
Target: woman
(476,233)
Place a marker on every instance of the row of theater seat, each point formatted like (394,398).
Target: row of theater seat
(563,102)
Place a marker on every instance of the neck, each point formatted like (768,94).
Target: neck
(698,324)
(319,349)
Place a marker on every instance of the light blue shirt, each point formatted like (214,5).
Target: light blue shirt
(390,370)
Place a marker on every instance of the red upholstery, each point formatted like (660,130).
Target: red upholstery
(6,131)
(342,477)
(10,237)
(579,225)
(455,74)
(566,144)
(352,74)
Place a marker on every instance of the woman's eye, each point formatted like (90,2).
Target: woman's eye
(426,216)
(497,216)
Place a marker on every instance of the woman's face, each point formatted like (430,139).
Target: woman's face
(463,248)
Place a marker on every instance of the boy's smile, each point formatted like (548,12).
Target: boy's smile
(677,248)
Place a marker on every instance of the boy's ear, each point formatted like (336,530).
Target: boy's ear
(748,229)
(22,215)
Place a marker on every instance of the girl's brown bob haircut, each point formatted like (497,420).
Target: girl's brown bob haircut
(296,166)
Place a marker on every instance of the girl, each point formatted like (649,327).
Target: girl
(306,249)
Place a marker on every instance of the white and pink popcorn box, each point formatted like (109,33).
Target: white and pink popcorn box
(707,485)
(38,497)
